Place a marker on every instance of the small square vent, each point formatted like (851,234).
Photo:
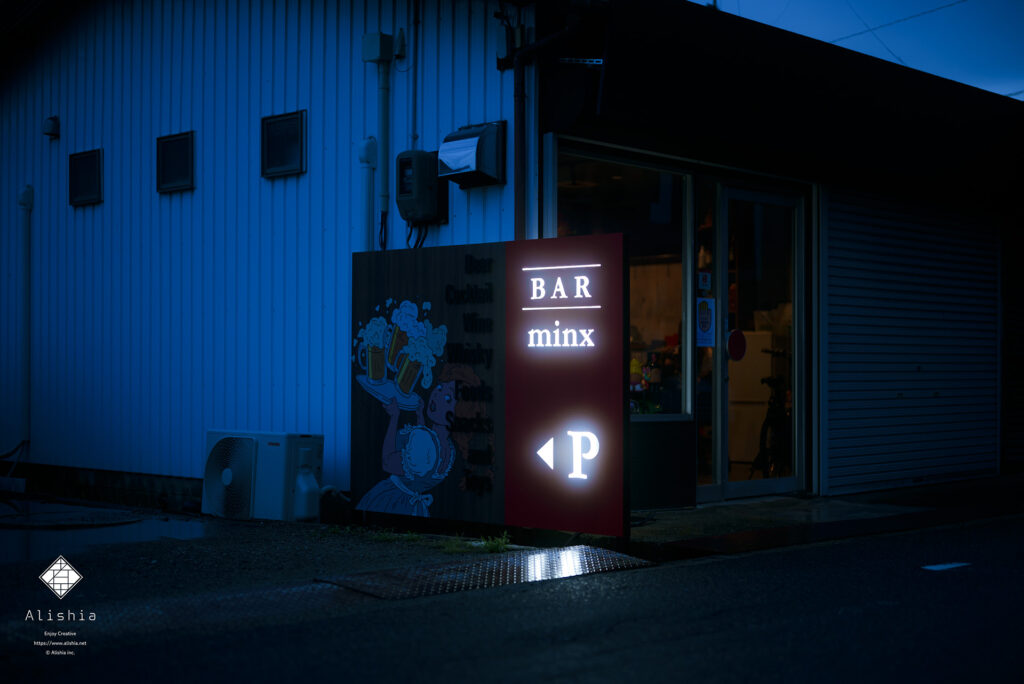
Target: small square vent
(85,178)
(283,144)
(175,162)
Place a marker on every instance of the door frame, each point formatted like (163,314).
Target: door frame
(723,489)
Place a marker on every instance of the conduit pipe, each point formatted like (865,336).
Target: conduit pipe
(368,162)
(523,56)
(383,126)
(379,49)
(25,203)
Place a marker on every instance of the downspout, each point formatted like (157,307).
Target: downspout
(379,49)
(413,135)
(26,202)
(384,136)
(524,56)
(368,162)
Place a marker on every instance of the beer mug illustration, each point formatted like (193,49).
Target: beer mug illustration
(399,338)
(408,371)
(371,359)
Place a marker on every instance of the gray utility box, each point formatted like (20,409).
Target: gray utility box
(474,156)
(421,198)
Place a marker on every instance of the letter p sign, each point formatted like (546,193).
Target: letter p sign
(578,454)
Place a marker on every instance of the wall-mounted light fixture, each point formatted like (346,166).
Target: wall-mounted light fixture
(474,155)
(51,127)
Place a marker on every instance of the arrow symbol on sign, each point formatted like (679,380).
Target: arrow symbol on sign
(547,453)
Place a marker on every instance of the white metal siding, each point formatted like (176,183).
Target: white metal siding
(157,317)
(911,308)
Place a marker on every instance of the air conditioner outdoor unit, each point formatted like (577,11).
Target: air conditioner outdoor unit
(265,475)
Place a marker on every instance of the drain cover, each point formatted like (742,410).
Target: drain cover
(510,568)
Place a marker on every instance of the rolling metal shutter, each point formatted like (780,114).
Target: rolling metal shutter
(1012,371)
(910,338)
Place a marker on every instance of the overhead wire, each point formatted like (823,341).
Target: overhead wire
(872,29)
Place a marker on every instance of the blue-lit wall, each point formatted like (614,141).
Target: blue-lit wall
(158,317)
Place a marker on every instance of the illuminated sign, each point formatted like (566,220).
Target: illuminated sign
(489,383)
(565,375)
(570,337)
(547,452)
(553,335)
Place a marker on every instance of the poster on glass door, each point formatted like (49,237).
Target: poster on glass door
(705,322)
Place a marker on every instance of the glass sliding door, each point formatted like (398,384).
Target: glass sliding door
(752,271)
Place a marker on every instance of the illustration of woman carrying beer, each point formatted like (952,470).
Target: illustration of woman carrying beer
(416,457)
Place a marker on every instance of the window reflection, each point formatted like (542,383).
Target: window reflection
(646,206)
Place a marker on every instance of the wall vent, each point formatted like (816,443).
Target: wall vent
(175,162)
(85,178)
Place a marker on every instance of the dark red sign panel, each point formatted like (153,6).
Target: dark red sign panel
(564,375)
(488,383)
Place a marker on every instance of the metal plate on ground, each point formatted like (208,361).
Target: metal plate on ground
(511,568)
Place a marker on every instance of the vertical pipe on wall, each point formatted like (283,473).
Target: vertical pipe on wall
(524,56)
(368,161)
(379,49)
(25,202)
(383,125)
(413,135)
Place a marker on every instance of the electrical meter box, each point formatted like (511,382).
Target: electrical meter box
(474,156)
(421,197)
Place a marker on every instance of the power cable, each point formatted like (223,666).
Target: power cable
(898,21)
(872,31)
(14,450)
(16,453)
(784,10)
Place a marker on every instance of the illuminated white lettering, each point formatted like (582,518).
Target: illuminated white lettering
(559,288)
(538,288)
(558,337)
(578,454)
(582,283)
(540,338)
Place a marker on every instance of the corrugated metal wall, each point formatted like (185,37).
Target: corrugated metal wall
(911,316)
(157,317)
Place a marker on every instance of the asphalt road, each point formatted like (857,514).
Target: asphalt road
(862,609)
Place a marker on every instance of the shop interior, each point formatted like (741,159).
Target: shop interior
(648,205)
